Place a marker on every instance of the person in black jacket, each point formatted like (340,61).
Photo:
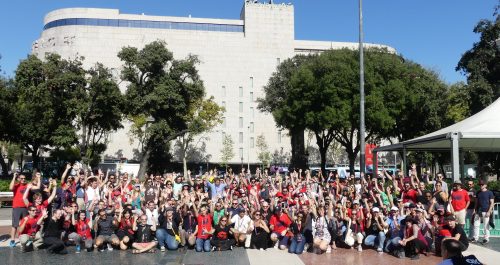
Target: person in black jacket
(52,234)
(168,231)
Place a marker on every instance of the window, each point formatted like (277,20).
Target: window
(241,91)
(241,122)
(241,154)
(251,82)
(251,127)
(240,137)
(252,144)
(223,91)
(279,137)
(278,61)
(241,106)
(252,112)
(223,104)
(223,122)
(251,96)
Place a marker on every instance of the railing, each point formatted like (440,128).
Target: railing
(496,220)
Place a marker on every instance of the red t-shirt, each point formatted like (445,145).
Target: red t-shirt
(31,227)
(410,195)
(459,199)
(204,222)
(19,190)
(280,223)
(126,225)
(83,229)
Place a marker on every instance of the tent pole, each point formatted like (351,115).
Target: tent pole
(462,165)
(403,166)
(455,157)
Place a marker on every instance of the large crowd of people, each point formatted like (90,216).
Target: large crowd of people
(404,216)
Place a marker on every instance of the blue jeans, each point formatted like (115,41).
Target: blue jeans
(297,247)
(165,238)
(202,245)
(392,244)
(372,240)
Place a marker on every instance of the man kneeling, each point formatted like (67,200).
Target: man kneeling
(143,240)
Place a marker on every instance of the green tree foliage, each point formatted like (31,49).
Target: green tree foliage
(263,154)
(99,108)
(481,65)
(160,87)
(284,107)
(227,151)
(45,103)
(457,108)
(203,116)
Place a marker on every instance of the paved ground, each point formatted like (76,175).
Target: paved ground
(488,254)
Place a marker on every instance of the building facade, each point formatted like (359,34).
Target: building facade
(237,58)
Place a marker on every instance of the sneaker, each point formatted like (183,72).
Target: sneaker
(276,245)
(28,244)
(101,249)
(110,248)
(261,249)
(360,248)
(486,241)
(472,240)
(415,257)
(231,248)
(328,249)
(77,249)
(162,248)
(12,244)
(379,250)
(213,248)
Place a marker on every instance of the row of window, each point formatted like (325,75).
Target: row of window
(126,23)
(252,141)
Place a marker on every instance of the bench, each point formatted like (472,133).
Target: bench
(6,196)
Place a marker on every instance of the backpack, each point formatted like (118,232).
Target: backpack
(467,260)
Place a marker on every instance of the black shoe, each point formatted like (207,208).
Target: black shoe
(415,257)
(485,241)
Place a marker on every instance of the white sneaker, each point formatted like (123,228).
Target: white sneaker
(110,248)
(379,250)
(329,250)
(261,249)
(360,248)
(162,248)
(276,245)
(306,246)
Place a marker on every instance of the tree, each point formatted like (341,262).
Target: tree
(203,116)
(283,107)
(100,107)
(45,103)
(263,154)
(162,88)
(457,107)
(7,99)
(227,151)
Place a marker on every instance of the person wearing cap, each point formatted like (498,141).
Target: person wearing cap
(375,229)
(168,233)
(483,211)
(457,232)
(459,202)
(395,232)
(242,227)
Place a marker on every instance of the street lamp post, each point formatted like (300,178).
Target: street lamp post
(361,93)
(248,151)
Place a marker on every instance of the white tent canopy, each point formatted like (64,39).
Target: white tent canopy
(480,132)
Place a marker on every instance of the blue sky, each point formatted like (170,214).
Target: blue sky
(433,33)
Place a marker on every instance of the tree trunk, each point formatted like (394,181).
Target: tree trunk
(298,149)
(36,159)
(144,163)
(322,153)
(185,144)
(352,161)
(5,169)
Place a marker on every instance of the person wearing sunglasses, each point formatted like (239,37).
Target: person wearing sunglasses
(29,229)
(221,240)
(18,186)
(260,232)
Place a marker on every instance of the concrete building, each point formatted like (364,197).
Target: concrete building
(237,58)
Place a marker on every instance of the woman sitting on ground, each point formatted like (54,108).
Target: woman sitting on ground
(260,232)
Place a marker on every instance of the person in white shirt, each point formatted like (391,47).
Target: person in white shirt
(242,226)
(152,213)
(92,192)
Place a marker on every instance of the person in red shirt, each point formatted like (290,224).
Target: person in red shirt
(29,229)
(19,210)
(125,232)
(409,194)
(280,225)
(460,200)
(83,227)
(37,198)
(204,230)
